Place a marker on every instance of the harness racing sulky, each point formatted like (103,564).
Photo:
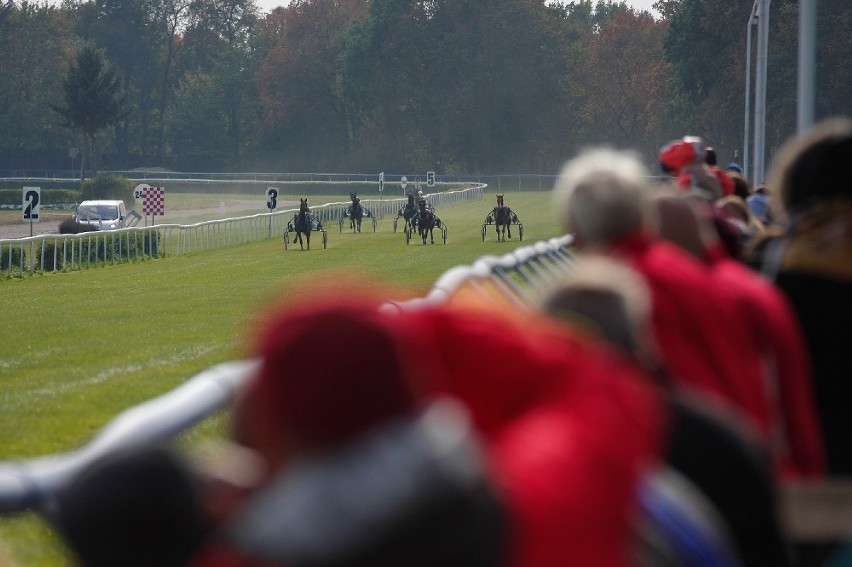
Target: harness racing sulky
(425,222)
(304,223)
(502,217)
(356,212)
(406,213)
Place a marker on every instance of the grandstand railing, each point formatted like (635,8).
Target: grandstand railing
(71,252)
(28,485)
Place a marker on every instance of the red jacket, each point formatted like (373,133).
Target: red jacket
(568,426)
(791,425)
(702,340)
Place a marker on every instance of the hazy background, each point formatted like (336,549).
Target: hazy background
(269,5)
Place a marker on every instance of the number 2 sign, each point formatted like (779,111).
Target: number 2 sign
(31,204)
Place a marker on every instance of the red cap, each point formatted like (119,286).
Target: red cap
(675,155)
(330,371)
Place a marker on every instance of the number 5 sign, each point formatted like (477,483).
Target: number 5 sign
(31,204)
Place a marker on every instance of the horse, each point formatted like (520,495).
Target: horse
(355,212)
(407,212)
(426,220)
(303,223)
(502,217)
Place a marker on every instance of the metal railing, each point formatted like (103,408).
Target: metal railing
(28,485)
(70,252)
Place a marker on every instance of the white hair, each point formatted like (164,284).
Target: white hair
(600,195)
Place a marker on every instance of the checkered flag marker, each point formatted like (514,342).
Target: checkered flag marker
(154,201)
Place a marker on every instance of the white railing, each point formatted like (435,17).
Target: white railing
(29,484)
(70,252)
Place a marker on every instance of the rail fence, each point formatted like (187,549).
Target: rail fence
(28,485)
(72,252)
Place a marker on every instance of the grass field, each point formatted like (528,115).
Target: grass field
(78,348)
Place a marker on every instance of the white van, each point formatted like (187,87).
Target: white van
(103,215)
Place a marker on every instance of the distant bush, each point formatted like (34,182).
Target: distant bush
(71,226)
(108,187)
(13,259)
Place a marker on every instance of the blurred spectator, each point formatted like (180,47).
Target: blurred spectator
(787,420)
(724,179)
(745,227)
(742,189)
(365,469)
(734,167)
(812,264)
(138,507)
(759,204)
(706,444)
(684,160)
(602,196)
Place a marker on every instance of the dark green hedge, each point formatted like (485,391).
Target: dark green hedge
(48,196)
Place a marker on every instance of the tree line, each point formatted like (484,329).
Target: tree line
(456,86)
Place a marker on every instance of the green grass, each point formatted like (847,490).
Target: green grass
(78,348)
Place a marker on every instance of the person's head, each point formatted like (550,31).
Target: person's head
(684,222)
(734,167)
(710,156)
(684,160)
(813,168)
(678,154)
(331,369)
(742,189)
(608,300)
(139,506)
(600,196)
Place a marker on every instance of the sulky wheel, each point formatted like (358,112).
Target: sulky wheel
(483,232)
(375,223)
(394,223)
(340,224)
(520,232)
(286,240)
(408,235)
(324,240)
(444,233)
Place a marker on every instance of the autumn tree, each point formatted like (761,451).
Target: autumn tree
(35,45)
(628,93)
(303,118)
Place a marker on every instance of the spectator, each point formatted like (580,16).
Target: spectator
(745,228)
(706,444)
(138,507)
(602,197)
(759,204)
(742,189)
(684,160)
(812,265)
(559,438)
(787,421)
(725,180)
